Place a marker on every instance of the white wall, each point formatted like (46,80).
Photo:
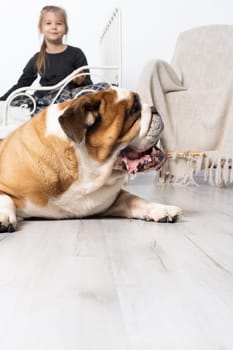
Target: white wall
(149,29)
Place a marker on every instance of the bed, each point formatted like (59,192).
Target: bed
(108,73)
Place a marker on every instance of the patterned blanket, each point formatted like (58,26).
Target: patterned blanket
(43,99)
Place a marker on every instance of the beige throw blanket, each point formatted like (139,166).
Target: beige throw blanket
(198,119)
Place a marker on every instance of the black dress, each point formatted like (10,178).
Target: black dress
(57,67)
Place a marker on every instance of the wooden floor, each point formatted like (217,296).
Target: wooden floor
(116,284)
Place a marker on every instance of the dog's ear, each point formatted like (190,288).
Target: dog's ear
(80,116)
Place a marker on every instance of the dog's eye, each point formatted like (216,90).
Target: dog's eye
(90,106)
(136,107)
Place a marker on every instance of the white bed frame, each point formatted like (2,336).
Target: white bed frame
(109,71)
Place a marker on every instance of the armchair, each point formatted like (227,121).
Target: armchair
(194,95)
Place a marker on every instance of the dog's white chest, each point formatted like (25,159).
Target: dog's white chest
(78,201)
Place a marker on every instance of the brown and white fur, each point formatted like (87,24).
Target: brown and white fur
(67,161)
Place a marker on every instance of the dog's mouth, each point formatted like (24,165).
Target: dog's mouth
(134,162)
(143,154)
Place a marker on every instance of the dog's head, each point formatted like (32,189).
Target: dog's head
(114,123)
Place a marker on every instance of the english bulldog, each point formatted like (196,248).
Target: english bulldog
(72,159)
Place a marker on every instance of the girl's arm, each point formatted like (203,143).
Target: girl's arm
(26,79)
(81,60)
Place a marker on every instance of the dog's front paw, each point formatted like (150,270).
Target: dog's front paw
(8,219)
(169,214)
(7,228)
(163,213)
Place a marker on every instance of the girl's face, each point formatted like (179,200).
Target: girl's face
(53,27)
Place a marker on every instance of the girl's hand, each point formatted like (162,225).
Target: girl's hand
(79,80)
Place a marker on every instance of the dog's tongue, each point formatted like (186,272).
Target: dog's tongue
(135,162)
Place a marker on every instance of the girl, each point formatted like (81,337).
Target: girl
(55,60)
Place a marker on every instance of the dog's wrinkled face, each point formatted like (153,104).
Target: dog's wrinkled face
(113,122)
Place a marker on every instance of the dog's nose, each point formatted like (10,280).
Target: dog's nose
(154,110)
(159,125)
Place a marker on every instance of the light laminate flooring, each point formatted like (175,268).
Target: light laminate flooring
(116,284)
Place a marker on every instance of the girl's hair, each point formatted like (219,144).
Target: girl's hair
(40,63)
